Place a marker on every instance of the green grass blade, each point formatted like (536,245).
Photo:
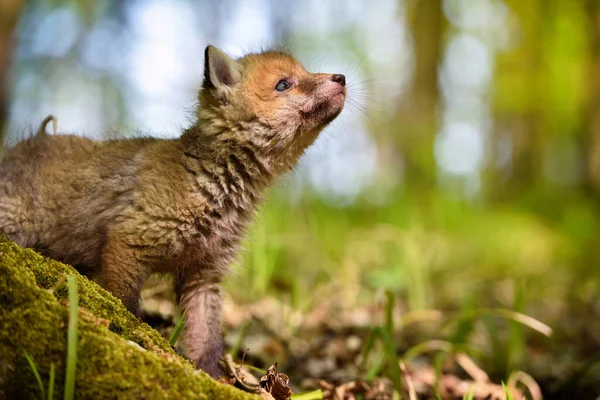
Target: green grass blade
(506,392)
(373,372)
(369,344)
(438,361)
(389,313)
(516,347)
(464,327)
(314,395)
(69,393)
(497,343)
(238,343)
(510,315)
(392,360)
(428,346)
(51,383)
(36,373)
(177,329)
(469,396)
(256,369)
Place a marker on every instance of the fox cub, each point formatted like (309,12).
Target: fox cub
(120,210)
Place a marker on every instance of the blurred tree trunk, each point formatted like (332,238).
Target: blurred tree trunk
(527,125)
(11,11)
(519,105)
(418,113)
(593,164)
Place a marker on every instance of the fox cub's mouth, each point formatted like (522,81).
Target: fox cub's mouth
(338,99)
(336,103)
(327,108)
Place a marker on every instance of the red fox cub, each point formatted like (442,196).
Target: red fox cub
(123,209)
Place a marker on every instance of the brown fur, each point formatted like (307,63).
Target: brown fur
(124,209)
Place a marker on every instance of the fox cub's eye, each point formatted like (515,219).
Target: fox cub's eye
(283,85)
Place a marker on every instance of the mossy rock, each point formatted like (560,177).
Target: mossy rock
(34,320)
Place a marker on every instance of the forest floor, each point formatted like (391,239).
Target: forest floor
(365,352)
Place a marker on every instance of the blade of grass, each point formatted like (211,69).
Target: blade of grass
(69,393)
(464,327)
(528,381)
(392,360)
(387,335)
(389,313)
(369,344)
(36,373)
(374,370)
(177,329)
(438,361)
(498,351)
(238,343)
(469,396)
(516,346)
(314,395)
(506,314)
(264,259)
(253,368)
(427,347)
(51,383)
(506,392)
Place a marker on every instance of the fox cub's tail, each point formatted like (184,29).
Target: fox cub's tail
(42,129)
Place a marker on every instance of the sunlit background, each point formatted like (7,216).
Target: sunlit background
(464,171)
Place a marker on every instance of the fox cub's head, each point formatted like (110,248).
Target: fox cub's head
(269,99)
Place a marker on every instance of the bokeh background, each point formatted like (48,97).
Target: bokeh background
(464,173)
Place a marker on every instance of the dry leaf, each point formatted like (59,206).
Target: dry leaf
(276,383)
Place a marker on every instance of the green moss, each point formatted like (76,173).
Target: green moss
(92,297)
(33,319)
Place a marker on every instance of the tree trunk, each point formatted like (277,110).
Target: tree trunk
(11,11)
(418,114)
(593,162)
(519,113)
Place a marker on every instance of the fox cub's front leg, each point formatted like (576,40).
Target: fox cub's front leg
(201,296)
(123,274)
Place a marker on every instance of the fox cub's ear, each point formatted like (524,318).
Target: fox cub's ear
(220,70)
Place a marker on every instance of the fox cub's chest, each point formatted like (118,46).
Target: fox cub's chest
(210,237)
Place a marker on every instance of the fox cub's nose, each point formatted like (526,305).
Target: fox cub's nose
(339,78)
